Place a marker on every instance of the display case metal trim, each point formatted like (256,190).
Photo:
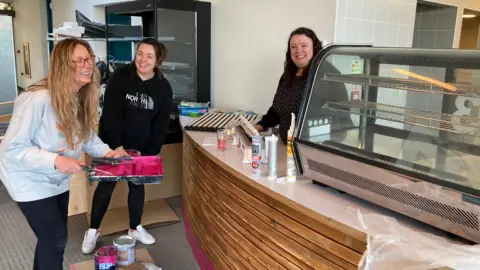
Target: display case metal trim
(461,59)
(466,126)
(452,213)
(400,84)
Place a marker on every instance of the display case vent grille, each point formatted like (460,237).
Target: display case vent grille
(453,214)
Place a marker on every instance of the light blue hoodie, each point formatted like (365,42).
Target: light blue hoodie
(31,144)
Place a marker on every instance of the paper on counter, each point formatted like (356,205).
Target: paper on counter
(210,141)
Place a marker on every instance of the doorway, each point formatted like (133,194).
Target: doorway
(469,39)
(434,26)
(469,36)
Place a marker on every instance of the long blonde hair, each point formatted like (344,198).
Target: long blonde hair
(76,111)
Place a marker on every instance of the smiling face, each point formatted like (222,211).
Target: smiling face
(145,59)
(301,50)
(83,63)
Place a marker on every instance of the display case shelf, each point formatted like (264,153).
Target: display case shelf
(403,84)
(466,126)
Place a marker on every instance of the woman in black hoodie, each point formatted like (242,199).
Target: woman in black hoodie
(135,115)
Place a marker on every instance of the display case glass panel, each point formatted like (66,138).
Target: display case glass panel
(413,111)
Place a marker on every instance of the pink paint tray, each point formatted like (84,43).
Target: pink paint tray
(136,169)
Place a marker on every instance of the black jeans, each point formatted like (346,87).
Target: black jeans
(48,220)
(101,200)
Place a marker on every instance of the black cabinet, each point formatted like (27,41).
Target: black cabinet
(184,27)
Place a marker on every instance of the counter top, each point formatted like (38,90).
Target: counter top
(334,204)
(354,217)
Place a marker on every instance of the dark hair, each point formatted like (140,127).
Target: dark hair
(159,48)
(290,67)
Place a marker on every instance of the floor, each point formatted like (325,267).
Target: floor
(17,241)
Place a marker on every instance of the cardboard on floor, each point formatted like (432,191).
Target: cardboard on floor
(155,213)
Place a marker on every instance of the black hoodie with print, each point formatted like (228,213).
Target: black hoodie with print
(136,113)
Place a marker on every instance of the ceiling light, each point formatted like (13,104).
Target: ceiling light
(468,16)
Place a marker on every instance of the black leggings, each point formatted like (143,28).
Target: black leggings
(101,200)
(48,220)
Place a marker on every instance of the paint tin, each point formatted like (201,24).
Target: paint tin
(126,249)
(106,258)
(256,153)
(272,156)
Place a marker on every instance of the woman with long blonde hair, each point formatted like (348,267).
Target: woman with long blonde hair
(53,121)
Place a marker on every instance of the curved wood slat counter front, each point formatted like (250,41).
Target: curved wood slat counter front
(243,221)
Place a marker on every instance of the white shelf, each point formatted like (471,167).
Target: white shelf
(466,126)
(7,103)
(50,37)
(402,84)
(82,38)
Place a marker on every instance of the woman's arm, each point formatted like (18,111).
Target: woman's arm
(112,112)
(95,147)
(271,118)
(160,123)
(17,144)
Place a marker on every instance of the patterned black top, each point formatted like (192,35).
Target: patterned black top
(287,100)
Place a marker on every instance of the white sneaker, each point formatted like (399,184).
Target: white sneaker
(140,234)
(90,241)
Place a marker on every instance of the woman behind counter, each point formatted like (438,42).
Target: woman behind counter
(52,122)
(135,116)
(302,45)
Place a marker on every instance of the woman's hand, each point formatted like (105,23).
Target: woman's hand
(115,154)
(121,151)
(68,165)
(259,128)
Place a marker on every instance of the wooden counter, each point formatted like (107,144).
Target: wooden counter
(243,225)
(241,221)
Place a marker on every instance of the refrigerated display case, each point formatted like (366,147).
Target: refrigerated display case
(398,127)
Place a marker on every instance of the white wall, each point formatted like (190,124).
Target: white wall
(249,39)
(379,22)
(64,11)
(30,25)
(388,23)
